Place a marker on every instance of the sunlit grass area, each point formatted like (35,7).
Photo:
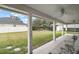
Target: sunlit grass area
(42,37)
(70,32)
(16,40)
(9,42)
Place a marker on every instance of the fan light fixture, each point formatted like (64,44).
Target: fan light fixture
(62,10)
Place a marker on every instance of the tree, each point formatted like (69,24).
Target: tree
(37,24)
(41,24)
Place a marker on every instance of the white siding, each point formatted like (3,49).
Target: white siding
(73,26)
(9,28)
(12,29)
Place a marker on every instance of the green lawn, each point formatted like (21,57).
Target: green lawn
(19,40)
(70,32)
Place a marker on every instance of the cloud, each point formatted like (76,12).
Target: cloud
(33,17)
(25,21)
(0,10)
(22,17)
(16,14)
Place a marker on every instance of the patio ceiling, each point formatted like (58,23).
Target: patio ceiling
(52,11)
(71,12)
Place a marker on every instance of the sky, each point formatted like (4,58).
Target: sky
(5,13)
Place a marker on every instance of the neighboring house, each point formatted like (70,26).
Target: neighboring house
(70,27)
(12,24)
(58,26)
(73,27)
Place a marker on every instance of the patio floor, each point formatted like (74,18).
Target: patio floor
(54,46)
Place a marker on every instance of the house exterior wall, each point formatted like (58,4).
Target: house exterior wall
(59,28)
(10,28)
(73,26)
(70,27)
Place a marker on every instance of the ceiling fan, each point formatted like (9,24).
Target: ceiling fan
(62,11)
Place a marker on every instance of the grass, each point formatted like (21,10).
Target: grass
(19,39)
(42,37)
(70,32)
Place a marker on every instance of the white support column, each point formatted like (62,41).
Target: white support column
(30,34)
(54,30)
(62,29)
(66,29)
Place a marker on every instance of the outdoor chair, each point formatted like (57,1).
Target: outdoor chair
(68,49)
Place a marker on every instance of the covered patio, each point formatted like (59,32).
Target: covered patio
(54,47)
(64,14)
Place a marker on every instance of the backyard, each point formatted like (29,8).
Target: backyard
(16,42)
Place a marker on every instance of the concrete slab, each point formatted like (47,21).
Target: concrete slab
(53,46)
